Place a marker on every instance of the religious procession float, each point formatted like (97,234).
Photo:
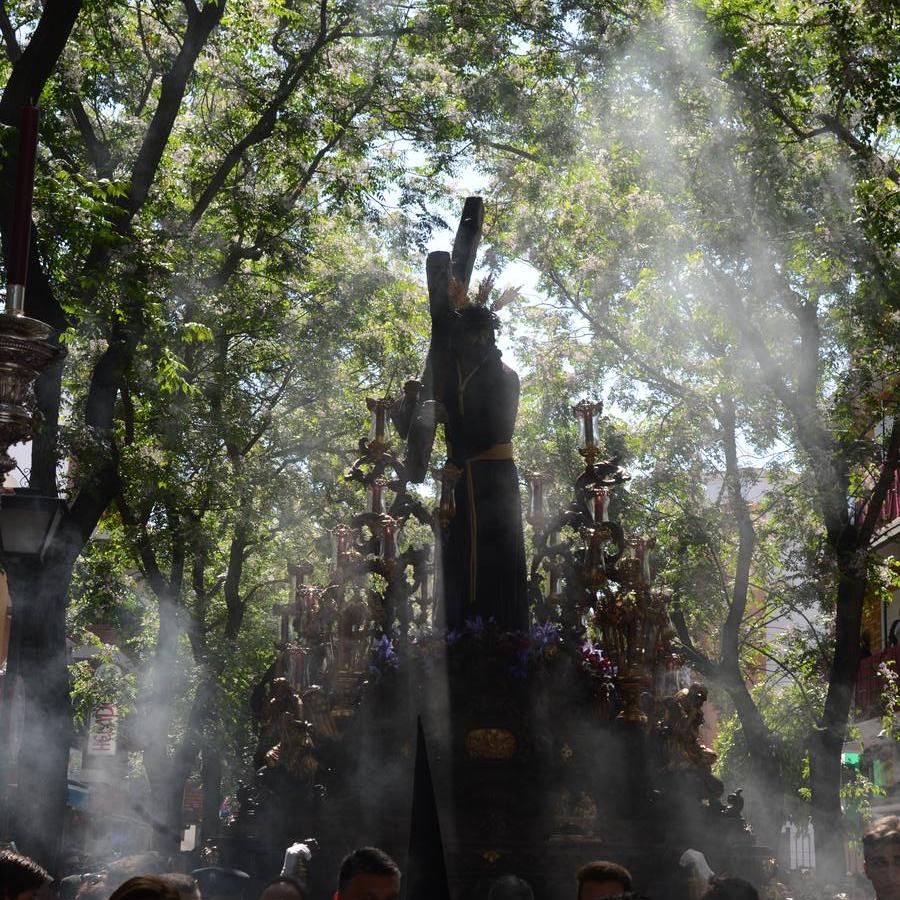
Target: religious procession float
(472,712)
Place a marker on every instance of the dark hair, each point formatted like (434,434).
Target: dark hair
(144,887)
(292,882)
(180,881)
(882,831)
(510,887)
(602,870)
(20,873)
(476,317)
(365,861)
(93,887)
(724,887)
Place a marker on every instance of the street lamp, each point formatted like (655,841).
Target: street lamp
(28,522)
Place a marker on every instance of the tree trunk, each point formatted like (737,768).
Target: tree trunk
(211,772)
(168,771)
(39,592)
(765,791)
(826,742)
(155,717)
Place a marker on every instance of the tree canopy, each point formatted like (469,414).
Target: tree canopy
(231,205)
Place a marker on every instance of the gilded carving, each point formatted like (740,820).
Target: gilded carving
(490,743)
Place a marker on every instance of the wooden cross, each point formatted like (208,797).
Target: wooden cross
(441,269)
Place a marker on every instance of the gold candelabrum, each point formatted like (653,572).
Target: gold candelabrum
(593,578)
(377,582)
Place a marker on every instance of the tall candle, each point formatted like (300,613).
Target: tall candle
(601,505)
(388,538)
(537,495)
(378,486)
(20,236)
(379,409)
(588,414)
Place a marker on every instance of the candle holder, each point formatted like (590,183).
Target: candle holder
(377,489)
(585,571)
(374,547)
(595,556)
(598,503)
(298,573)
(588,415)
(378,432)
(342,538)
(633,682)
(424,597)
(537,483)
(388,539)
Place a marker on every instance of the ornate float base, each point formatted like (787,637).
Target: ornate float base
(533,773)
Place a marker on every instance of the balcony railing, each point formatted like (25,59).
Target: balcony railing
(869,684)
(890,509)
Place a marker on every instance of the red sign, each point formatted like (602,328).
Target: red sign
(104,730)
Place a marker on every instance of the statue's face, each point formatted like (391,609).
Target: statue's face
(471,340)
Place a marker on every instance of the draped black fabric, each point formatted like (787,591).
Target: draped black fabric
(484,554)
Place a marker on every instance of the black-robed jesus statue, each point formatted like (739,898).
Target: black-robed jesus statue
(468,387)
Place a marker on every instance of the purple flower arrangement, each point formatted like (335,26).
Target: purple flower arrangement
(383,657)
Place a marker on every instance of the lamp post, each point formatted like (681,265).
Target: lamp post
(28,523)
(28,528)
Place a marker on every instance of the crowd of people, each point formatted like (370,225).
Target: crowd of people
(370,874)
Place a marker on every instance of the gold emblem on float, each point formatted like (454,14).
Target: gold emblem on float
(490,743)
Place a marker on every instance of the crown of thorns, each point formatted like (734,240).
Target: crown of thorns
(460,300)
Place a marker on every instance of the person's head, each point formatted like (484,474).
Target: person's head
(219,883)
(510,887)
(144,887)
(284,888)
(186,885)
(73,886)
(600,879)
(724,887)
(881,854)
(20,876)
(93,887)
(368,874)
(120,870)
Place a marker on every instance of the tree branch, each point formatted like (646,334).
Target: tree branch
(700,661)
(513,150)
(882,486)
(13,50)
(730,635)
(174,83)
(97,150)
(265,124)
(33,68)
(141,540)
(860,148)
